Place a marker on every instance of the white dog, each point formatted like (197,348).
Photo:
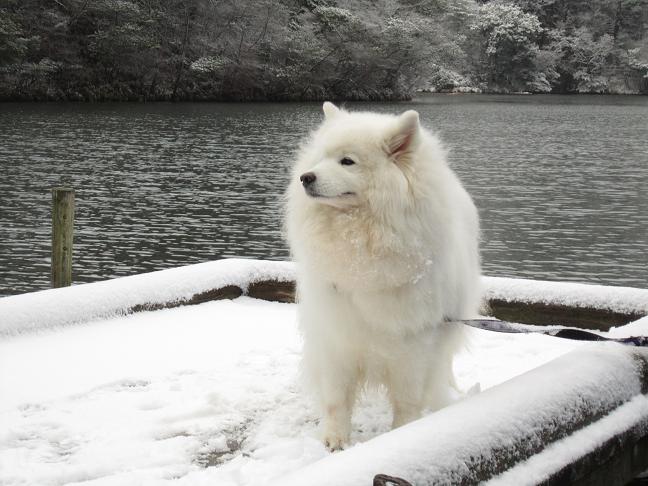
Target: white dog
(386,244)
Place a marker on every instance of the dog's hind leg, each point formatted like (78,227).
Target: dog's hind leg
(405,380)
(420,374)
(442,388)
(407,399)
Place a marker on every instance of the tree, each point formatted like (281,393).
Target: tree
(583,60)
(13,45)
(506,42)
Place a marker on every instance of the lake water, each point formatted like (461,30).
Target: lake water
(560,182)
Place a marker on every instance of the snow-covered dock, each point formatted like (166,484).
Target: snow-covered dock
(93,393)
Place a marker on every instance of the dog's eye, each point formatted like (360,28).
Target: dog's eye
(347,161)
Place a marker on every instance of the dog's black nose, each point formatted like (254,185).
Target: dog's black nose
(307,179)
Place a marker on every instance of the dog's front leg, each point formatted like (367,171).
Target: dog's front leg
(332,371)
(338,388)
(332,358)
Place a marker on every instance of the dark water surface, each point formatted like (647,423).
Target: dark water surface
(560,182)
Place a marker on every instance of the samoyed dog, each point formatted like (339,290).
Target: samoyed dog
(385,240)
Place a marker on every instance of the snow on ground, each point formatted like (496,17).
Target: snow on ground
(205,394)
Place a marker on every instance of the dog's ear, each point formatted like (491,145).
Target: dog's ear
(404,138)
(330,110)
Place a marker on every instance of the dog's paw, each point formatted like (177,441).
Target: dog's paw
(334,439)
(334,443)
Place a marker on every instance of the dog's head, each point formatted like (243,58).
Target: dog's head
(355,158)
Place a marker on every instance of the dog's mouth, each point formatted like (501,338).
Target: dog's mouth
(316,195)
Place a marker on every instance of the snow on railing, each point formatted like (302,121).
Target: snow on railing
(528,301)
(575,304)
(147,291)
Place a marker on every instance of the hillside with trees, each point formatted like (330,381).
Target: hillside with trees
(317,49)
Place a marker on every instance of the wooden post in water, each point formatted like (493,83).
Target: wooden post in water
(62,235)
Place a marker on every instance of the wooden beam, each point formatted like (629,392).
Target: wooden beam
(539,313)
(273,290)
(62,236)
(227,292)
(614,463)
(536,313)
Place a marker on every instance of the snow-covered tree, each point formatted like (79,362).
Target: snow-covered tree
(506,42)
(583,60)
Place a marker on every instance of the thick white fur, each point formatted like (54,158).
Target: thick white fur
(386,249)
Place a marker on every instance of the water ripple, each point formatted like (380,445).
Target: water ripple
(560,183)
